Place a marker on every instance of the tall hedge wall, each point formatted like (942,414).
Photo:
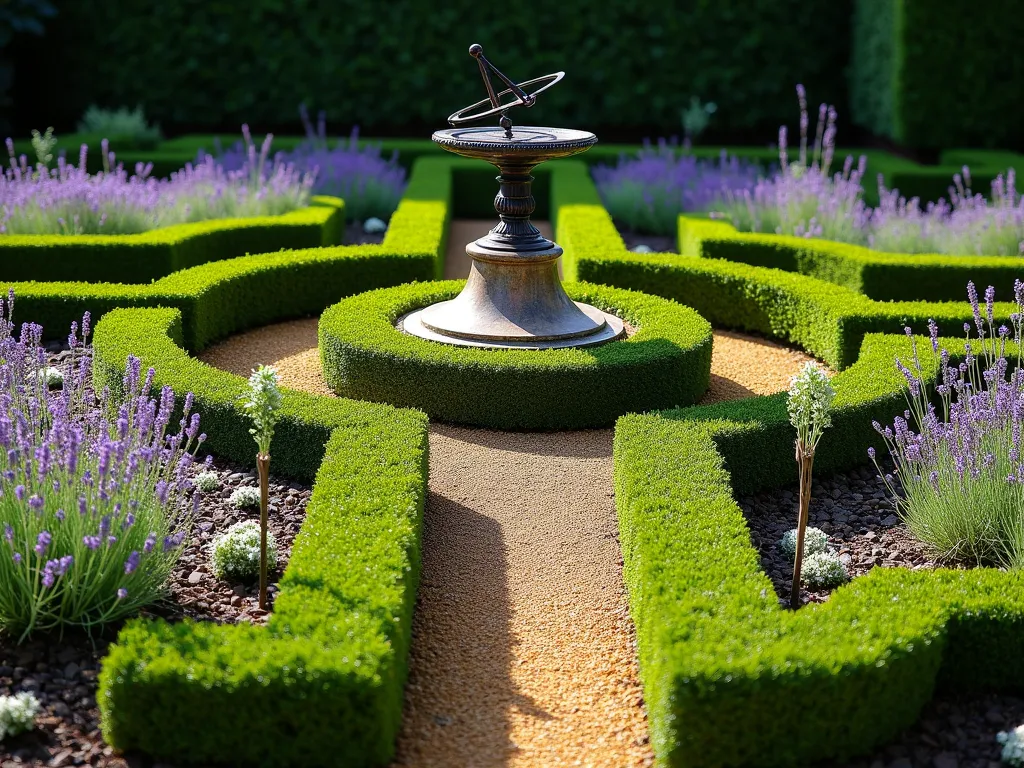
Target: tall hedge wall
(193,63)
(939,73)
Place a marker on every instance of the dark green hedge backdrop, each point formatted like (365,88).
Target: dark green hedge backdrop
(926,74)
(402,64)
(936,74)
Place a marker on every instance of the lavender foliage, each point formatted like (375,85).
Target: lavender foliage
(95,494)
(647,192)
(957,449)
(805,199)
(67,199)
(370,184)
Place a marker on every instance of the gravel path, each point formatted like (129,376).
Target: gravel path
(523,650)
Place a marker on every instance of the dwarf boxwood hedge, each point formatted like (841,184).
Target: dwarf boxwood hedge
(878,275)
(666,362)
(222,297)
(322,683)
(151,255)
(729,677)
(826,319)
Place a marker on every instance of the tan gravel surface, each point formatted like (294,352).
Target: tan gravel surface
(523,652)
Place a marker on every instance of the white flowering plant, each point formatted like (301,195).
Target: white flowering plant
(1013,746)
(262,402)
(207,482)
(17,714)
(51,377)
(245,497)
(823,570)
(815,540)
(810,404)
(235,554)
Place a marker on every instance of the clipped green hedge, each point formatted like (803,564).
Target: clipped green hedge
(666,362)
(151,255)
(877,275)
(322,683)
(729,677)
(916,66)
(828,320)
(223,297)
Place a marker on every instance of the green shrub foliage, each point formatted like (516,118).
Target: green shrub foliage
(719,658)
(918,68)
(666,362)
(626,70)
(321,684)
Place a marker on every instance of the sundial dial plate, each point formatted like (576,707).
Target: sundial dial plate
(524,137)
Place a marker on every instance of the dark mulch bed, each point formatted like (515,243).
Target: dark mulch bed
(657,243)
(355,235)
(853,508)
(62,672)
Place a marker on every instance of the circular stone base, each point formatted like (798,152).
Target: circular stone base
(663,363)
(612,329)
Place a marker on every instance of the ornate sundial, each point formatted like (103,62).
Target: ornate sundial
(513,297)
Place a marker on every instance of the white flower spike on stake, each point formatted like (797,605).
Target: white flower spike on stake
(809,403)
(262,403)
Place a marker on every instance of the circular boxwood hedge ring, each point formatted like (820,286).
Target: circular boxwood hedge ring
(665,363)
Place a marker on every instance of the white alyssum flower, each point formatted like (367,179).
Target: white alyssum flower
(374,226)
(262,403)
(810,403)
(235,554)
(823,570)
(207,482)
(245,497)
(1013,746)
(17,714)
(815,540)
(51,376)
(642,248)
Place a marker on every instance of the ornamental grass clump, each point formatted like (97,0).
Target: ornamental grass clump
(809,403)
(958,475)
(68,200)
(95,494)
(646,192)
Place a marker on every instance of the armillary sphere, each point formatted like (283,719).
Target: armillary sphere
(493,100)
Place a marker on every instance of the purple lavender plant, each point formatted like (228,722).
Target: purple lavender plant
(68,199)
(804,200)
(370,185)
(88,486)
(647,192)
(956,450)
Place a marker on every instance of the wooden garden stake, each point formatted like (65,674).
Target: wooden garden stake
(805,460)
(262,402)
(810,399)
(263,465)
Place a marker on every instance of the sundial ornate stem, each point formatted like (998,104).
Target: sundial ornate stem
(513,297)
